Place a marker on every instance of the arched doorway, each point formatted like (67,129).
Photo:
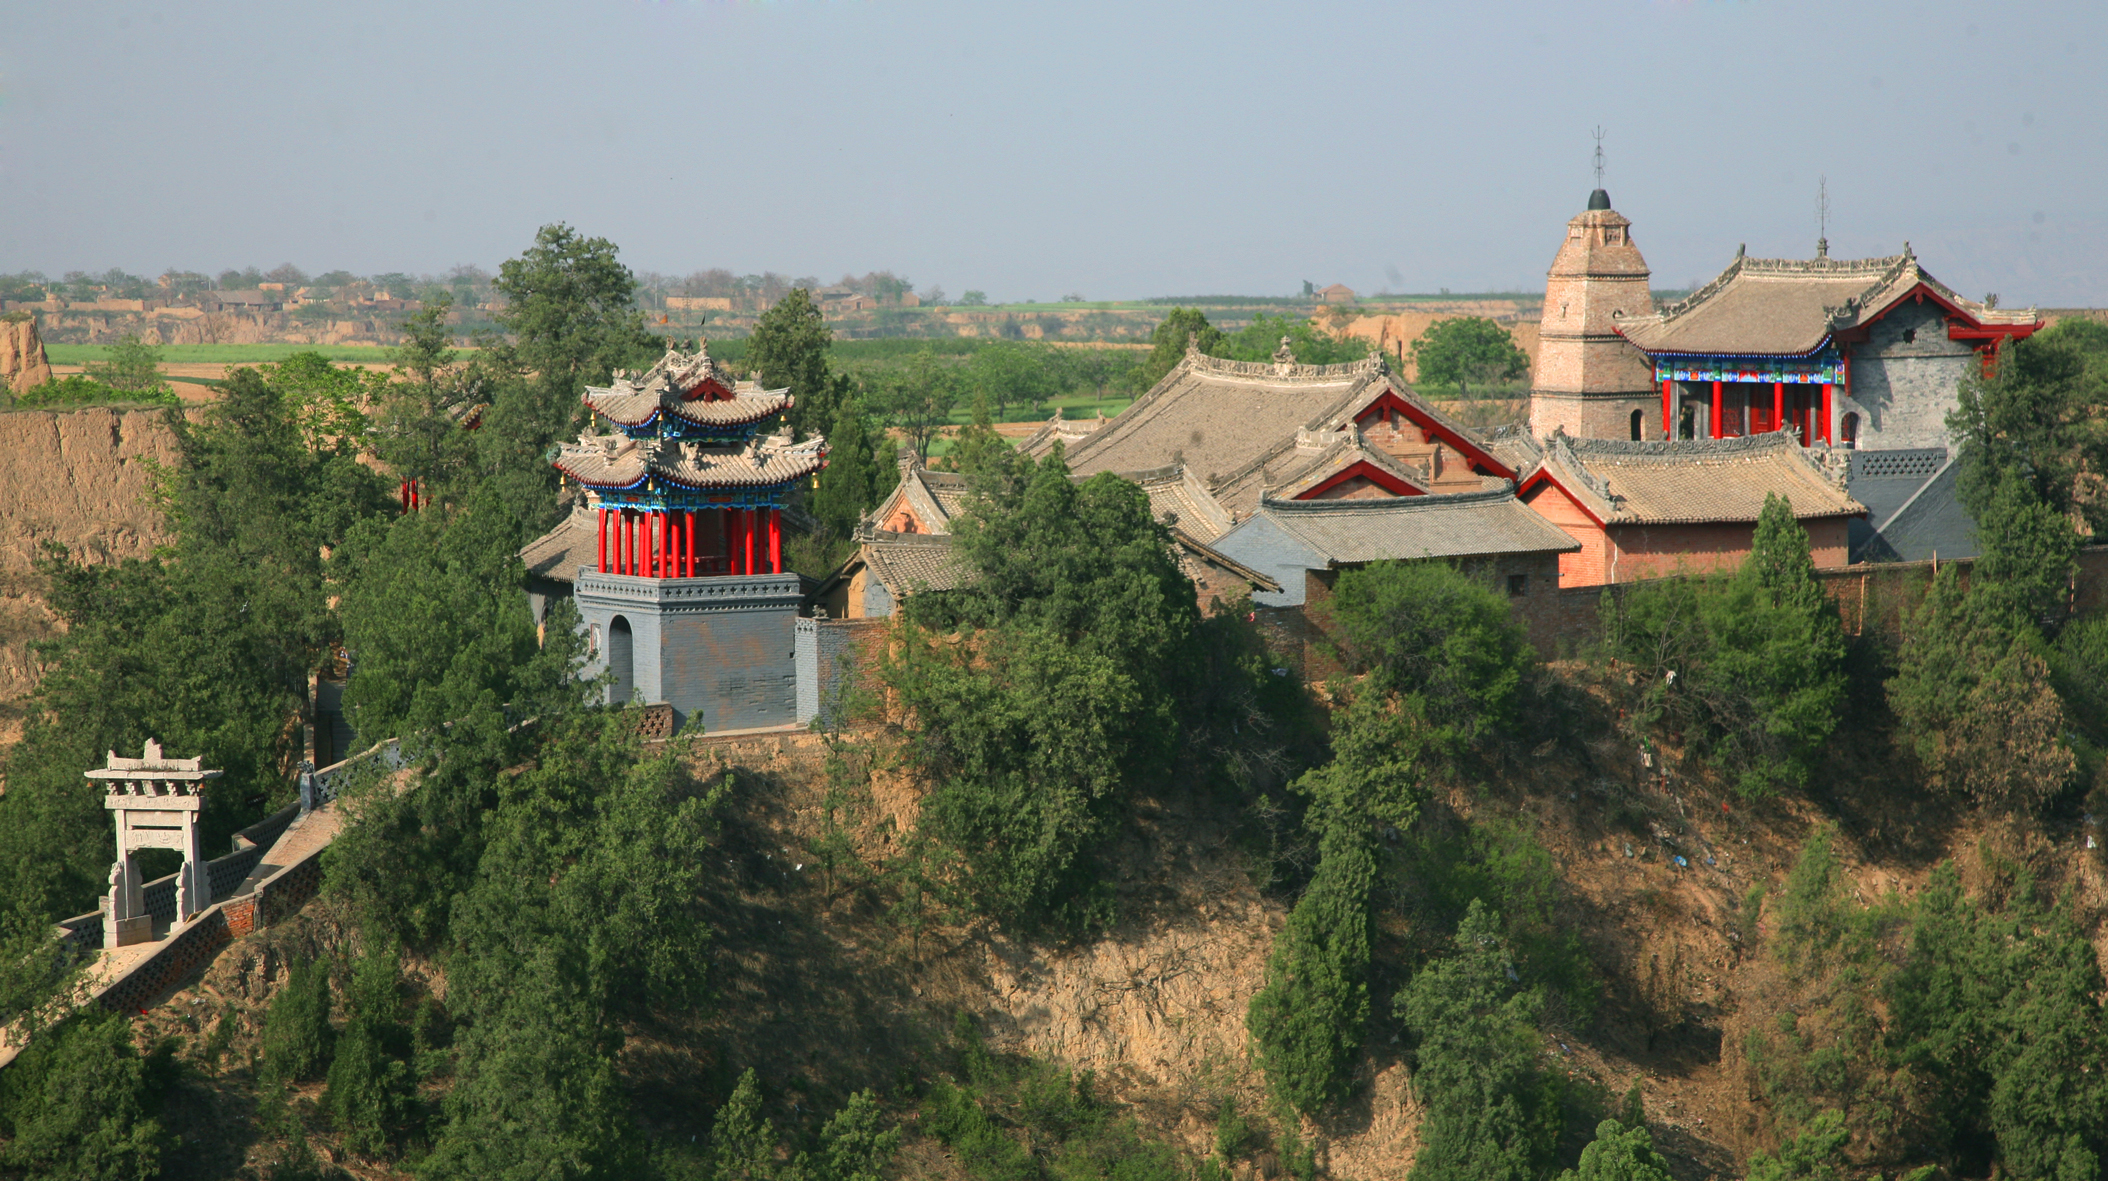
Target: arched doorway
(1639,424)
(621,662)
(1849,435)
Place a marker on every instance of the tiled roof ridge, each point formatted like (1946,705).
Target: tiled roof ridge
(1199,362)
(1430,502)
(1882,270)
(1289,442)
(1352,442)
(1680,448)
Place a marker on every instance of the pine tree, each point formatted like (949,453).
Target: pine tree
(847,486)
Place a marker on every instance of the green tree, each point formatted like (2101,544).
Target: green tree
(742,1140)
(1441,639)
(853,1146)
(974,299)
(297,1037)
(1778,647)
(1307,1021)
(1811,1156)
(789,350)
(1467,352)
(918,402)
(371,1086)
(435,614)
(1490,1113)
(1974,696)
(80,1103)
(1752,664)
(1065,697)
(1619,1153)
(1258,340)
(130,367)
(1167,346)
(572,309)
(2037,421)
(1013,375)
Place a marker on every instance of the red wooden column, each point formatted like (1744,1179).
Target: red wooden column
(665,550)
(603,514)
(1668,400)
(732,523)
(629,548)
(746,535)
(1778,405)
(1715,432)
(1823,423)
(688,535)
(775,540)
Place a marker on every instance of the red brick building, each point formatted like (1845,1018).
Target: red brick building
(1652,509)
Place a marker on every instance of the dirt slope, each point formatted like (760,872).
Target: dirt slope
(80,478)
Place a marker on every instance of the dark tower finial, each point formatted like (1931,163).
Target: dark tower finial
(1599,199)
(1822,218)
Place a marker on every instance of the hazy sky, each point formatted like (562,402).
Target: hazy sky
(1116,150)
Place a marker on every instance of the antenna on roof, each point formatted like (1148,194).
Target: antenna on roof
(1598,133)
(1822,218)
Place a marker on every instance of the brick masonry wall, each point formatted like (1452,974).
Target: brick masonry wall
(839,669)
(1903,390)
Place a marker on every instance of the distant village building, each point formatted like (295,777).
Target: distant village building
(1865,354)
(675,558)
(1336,293)
(1658,508)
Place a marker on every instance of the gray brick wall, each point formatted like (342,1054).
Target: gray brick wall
(720,651)
(1903,390)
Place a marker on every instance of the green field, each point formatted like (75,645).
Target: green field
(226,354)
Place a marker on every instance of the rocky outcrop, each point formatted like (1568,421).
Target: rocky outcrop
(80,478)
(22,361)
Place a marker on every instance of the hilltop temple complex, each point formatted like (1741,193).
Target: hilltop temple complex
(1655,436)
(1858,361)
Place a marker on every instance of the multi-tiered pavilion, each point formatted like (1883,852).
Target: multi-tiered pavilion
(677,542)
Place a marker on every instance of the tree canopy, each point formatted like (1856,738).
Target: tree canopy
(1468,352)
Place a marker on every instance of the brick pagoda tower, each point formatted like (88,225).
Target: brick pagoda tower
(688,603)
(1588,380)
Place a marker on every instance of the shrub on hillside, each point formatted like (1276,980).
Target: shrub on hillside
(80,1102)
(1441,640)
(1976,702)
(297,1037)
(1491,1115)
(1750,666)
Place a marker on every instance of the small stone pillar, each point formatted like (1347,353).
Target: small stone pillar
(155,801)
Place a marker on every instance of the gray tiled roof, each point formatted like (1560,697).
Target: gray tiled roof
(633,398)
(1931,523)
(1459,525)
(1789,307)
(1068,431)
(612,461)
(1218,416)
(557,554)
(907,563)
(1690,481)
(1180,501)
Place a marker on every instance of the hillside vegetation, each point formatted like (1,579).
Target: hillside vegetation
(1089,888)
